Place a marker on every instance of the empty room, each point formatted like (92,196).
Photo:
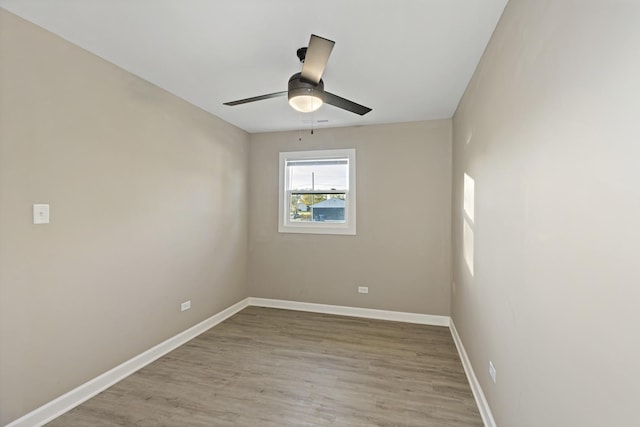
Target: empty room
(297,213)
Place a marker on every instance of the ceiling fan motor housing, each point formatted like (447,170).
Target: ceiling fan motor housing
(299,87)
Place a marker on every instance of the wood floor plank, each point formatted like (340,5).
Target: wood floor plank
(270,367)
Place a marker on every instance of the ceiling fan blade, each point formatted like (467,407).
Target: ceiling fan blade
(256,98)
(316,58)
(345,104)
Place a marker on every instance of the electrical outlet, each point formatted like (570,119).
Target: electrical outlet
(492,372)
(363,289)
(185,305)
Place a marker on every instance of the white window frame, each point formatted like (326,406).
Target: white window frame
(285,225)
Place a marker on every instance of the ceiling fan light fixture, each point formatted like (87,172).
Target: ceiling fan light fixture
(305,103)
(305,96)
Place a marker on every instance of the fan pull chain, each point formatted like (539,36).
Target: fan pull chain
(300,127)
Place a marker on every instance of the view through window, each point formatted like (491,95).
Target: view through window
(317,189)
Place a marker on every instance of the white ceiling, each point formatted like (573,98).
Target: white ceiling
(407,59)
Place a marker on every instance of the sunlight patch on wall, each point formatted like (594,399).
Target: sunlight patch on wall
(469,196)
(467,245)
(468,219)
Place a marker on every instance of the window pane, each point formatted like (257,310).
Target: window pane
(317,207)
(318,175)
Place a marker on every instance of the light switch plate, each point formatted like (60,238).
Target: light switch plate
(40,214)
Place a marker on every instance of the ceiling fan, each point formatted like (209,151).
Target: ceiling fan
(306,89)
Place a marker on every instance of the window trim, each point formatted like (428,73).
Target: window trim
(285,225)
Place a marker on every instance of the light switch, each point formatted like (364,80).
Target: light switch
(40,214)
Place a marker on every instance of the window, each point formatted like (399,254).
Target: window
(318,192)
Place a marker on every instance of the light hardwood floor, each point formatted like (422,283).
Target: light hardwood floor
(269,367)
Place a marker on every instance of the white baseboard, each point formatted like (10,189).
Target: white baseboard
(73,398)
(370,313)
(478,394)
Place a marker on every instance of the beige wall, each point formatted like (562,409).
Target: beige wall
(551,120)
(402,247)
(148,203)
